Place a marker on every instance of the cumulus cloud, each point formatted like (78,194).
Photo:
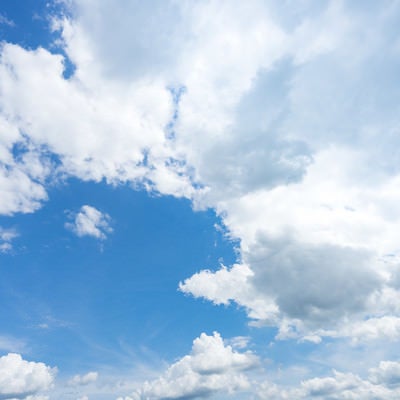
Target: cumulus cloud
(90,222)
(21,379)
(19,192)
(287,125)
(314,208)
(86,379)
(383,383)
(309,236)
(211,367)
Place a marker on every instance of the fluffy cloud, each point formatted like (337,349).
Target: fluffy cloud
(282,119)
(19,192)
(20,379)
(315,209)
(286,124)
(90,222)
(211,367)
(86,379)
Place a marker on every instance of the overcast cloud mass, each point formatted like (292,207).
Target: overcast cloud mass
(281,118)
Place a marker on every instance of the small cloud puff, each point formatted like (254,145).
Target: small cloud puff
(82,380)
(6,236)
(90,222)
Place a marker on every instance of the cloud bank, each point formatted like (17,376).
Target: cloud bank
(282,119)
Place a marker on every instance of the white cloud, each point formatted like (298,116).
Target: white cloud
(6,237)
(388,372)
(20,379)
(112,125)
(211,367)
(226,285)
(383,383)
(288,128)
(322,231)
(19,192)
(86,379)
(314,208)
(90,222)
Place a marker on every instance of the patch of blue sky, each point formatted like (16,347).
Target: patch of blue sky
(89,294)
(176,93)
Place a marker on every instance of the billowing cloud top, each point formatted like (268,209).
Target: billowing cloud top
(211,367)
(20,378)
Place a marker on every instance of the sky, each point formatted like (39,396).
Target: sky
(199,200)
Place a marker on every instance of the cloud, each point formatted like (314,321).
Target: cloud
(19,192)
(311,236)
(90,222)
(6,21)
(388,372)
(20,379)
(287,126)
(383,383)
(23,171)
(6,237)
(211,367)
(314,208)
(86,379)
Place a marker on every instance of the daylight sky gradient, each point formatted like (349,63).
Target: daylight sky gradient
(199,199)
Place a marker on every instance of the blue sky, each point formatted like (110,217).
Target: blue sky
(199,200)
(86,289)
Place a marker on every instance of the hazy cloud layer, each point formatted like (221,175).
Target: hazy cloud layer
(383,383)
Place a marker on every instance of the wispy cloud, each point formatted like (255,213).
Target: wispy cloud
(6,238)
(6,21)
